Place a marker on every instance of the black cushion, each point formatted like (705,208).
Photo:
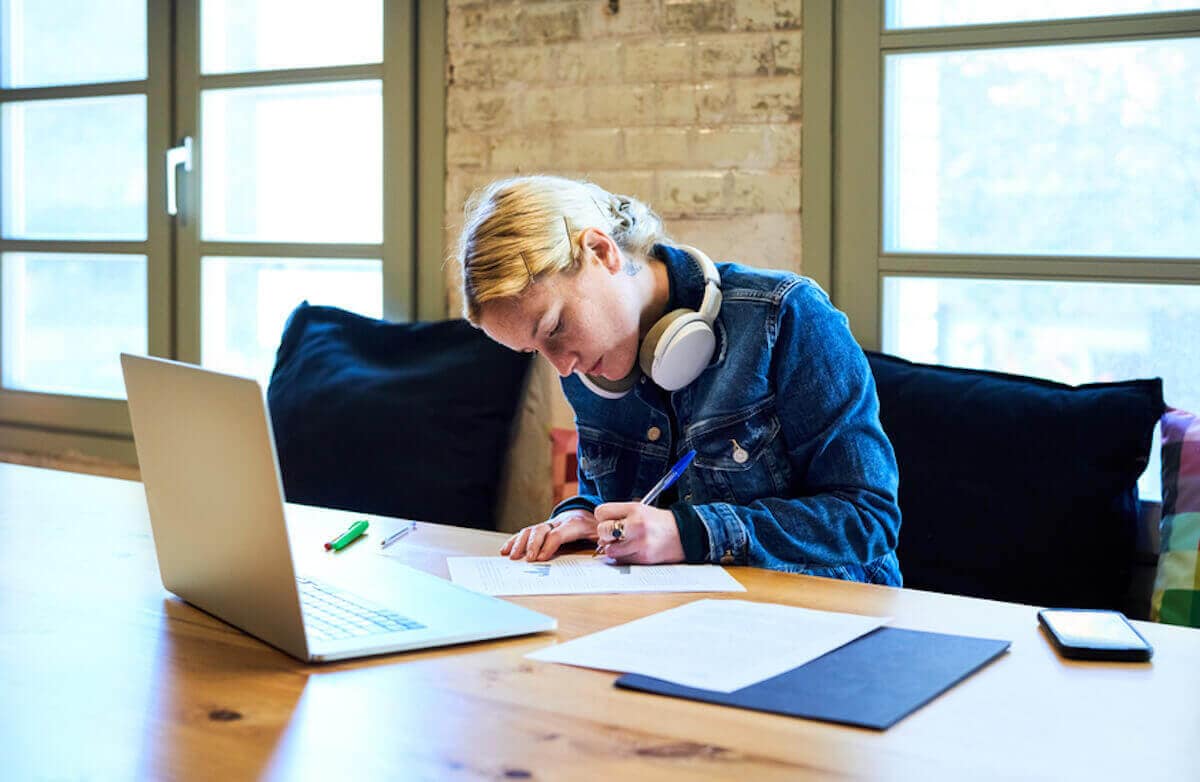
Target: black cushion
(398,419)
(1016,488)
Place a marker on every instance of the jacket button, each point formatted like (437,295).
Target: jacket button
(687,497)
(653,433)
(727,558)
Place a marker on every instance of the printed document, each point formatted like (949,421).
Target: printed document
(721,645)
(584,575)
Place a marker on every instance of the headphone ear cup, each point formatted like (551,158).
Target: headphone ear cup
(651,340)
(682,352)
(610,389)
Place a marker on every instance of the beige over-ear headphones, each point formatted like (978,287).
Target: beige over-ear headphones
(678,347)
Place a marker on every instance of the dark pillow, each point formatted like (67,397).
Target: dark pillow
(398,419)
(1016,488)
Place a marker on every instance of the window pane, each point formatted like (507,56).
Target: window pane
(1072,332)
(74,169)
(245,303)
(943,13)
(254,35)
(1086,149)
(66,319)
(296,164)
(105,41)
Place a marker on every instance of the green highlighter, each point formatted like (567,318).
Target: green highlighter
(347,537)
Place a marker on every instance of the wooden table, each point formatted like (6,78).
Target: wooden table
(104,675)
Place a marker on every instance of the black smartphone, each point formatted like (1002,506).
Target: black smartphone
(1090,634)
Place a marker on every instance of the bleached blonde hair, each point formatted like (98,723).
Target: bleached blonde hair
(518,229)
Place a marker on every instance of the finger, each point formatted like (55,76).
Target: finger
(550,545)
(518,549)
(612,511)
(631,529)
(508,544)
(624,551)
(536,538)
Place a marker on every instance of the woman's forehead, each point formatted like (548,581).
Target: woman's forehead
(512,320)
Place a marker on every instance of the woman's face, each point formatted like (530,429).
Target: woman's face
(585,321)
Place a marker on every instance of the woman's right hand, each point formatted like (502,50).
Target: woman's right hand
(539,542)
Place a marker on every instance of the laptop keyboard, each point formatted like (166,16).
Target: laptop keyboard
(331,614)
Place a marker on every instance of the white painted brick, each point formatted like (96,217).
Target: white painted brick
(588,63)
(788,51)
(635,17)
(768,14)
(689,193)
(552,105)
(514,65)
(550,22)
(769,241)
(767,100)
(721,56)
(617,104)
(639,184)
(759,191)
(697,16)
(658,61)
(469,67)
(522,151)
(484,25)
(676,103)
(714,102)
(469,150)
(589,149)
(656,147)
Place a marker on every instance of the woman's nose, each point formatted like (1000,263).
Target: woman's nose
(564,363)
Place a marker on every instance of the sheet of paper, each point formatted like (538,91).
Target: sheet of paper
(584,575)
(721,645)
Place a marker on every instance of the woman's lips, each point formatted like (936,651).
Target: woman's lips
(595,370)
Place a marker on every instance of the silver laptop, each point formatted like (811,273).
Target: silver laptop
(208,463)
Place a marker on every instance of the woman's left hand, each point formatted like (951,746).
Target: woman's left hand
(648,535)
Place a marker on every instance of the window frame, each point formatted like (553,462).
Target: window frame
(854,88)
(414,35)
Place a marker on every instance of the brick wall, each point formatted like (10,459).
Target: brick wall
(690,105)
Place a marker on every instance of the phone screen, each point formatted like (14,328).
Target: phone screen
(1093,628)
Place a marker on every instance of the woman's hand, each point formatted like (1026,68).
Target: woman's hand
(539,542)
(648,535)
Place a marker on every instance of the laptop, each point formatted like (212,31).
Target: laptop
(207,458)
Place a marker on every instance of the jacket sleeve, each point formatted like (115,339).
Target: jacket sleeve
(843,508)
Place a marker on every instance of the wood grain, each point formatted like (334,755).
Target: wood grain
(104,675)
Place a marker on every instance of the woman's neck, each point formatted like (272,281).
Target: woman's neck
(657,293)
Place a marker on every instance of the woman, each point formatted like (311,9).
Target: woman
(662,352)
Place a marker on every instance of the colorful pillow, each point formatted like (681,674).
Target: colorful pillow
(1176,598)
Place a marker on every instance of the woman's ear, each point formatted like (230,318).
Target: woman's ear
(599,245)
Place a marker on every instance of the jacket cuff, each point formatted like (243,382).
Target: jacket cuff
(692,533)
(727,535)
(571,503)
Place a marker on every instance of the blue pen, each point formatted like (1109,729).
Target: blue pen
(663,484)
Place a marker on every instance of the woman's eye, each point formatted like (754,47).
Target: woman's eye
(557,328)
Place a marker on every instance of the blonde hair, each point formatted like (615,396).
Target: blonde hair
(517,229)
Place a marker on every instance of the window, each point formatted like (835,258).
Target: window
(283,133)
(1018,186)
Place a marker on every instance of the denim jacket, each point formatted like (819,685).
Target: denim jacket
(793,470)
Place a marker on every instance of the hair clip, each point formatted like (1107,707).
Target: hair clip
(528,271)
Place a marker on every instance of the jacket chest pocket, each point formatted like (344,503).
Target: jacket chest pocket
(598,463)
(741,460)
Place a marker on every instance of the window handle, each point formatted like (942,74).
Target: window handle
(176,157)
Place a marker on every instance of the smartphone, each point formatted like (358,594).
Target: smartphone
(1089,634)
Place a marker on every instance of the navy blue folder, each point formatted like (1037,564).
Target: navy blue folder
(873,682)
